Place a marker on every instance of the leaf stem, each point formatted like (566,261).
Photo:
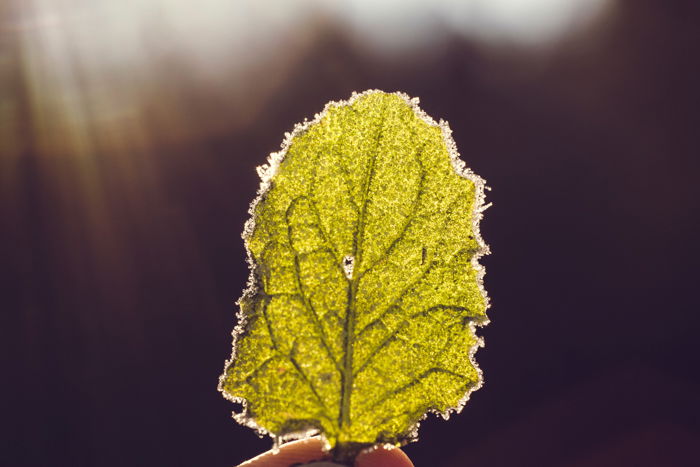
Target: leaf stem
(345,453)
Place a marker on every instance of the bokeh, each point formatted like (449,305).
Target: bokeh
(129,136)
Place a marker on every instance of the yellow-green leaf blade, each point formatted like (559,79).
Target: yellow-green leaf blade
(365,289)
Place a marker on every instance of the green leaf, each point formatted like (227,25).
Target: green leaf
(365,290)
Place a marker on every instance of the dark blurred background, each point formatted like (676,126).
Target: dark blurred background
(129,137)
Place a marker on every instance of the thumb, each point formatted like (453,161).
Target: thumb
(383,456)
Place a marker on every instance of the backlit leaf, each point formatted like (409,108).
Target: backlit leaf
(365,290)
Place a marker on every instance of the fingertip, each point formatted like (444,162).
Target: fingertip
(383,456)
(294,452)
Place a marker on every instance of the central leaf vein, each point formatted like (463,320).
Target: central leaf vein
(349,328)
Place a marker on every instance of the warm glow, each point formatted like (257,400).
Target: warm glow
(94,88)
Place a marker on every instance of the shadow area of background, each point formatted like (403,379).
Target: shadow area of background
(122,257)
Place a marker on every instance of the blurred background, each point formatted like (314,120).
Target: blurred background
(129,136)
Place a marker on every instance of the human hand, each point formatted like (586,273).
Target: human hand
(310,450)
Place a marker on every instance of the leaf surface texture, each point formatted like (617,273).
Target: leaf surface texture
(365,291)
